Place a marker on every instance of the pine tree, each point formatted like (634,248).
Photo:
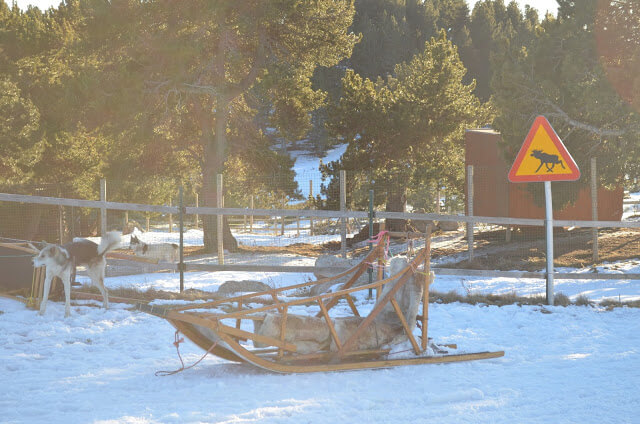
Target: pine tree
(559,74)
(405,131)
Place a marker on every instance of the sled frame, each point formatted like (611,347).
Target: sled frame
(206,328)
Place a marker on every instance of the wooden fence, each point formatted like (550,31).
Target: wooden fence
(342,215)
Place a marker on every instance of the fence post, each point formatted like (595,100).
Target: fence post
(311,199)
(197,217)
(61,223)
(103,209)
(251,216)
(284,204)
(219,222)
(170,218)
(470,210)
(73,223)
(370,270)
(427,282)
(594,207)
(343,208)
(181,223)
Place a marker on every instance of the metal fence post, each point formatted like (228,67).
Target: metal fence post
(181,223)
(343,208)
(103,209)
(470,210)
(219,222)
(594,207)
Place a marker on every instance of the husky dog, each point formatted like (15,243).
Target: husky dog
(61,262)
(159,251)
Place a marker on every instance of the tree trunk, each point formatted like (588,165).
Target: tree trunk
(214,158)
(396,202)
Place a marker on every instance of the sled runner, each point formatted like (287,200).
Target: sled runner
(283,337)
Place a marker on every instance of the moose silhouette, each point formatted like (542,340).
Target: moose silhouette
(550,161)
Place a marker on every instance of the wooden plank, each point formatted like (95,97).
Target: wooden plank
(425,290)
(95,204)
(10,296)
(124,256)
(219,328)
(303,213)
(343,208)
(352,306)
(305,300)
(225,329)
(114,299)
(210,315)
(239,321)
(357,365)
(191,332)
(534,275)
(248,268)
(40,274)
(488,273)
(332,330)
(19,247)
(278,290)
(402,278)
(283,329)
(363,266)
(595,276)
(405,325)
(328,355)
(309,213)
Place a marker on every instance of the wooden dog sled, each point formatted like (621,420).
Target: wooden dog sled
(222,327)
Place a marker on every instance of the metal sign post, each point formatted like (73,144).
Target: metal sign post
(549,229)
(544,158)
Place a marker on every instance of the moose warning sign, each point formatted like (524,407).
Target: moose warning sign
(543,157)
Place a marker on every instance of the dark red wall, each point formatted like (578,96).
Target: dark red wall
(494,195)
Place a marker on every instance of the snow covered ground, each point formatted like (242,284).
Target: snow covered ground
(306,168)
(561,365)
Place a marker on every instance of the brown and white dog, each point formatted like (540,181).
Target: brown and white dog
(61,262)
(168,252)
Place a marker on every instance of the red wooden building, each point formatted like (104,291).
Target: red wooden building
(494,195)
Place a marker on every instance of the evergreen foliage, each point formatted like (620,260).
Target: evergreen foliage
(405,131)
(150,93)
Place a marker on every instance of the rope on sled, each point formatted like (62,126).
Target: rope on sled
(176,343)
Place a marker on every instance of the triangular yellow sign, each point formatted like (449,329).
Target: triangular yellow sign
(543,157)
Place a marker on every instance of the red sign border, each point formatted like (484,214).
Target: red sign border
(564,153)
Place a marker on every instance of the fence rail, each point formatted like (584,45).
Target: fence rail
(342,216)
(308,213)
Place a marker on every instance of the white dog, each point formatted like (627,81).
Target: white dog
(61,262)
(168,252)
